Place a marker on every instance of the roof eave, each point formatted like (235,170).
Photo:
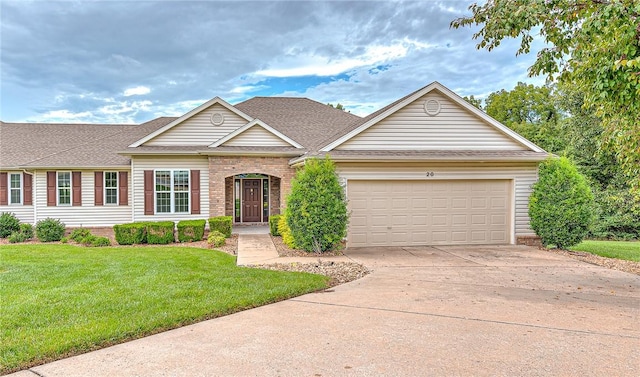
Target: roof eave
(253,153)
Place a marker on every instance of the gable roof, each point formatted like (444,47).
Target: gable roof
(252,124)
(204,106)
(310,123)
(36,145)
(392,108)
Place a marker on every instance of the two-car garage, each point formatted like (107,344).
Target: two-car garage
(429,212)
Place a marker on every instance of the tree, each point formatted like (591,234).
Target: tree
(561,206)
(477,102)
(316,210)
(339,106)
(531,111)
(593,45)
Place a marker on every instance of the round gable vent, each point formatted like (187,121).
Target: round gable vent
(432,107)
(217,119)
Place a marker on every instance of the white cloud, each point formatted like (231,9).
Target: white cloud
(65,116)
(246,89)
(137,91)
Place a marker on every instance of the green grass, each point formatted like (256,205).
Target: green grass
(611,249)
(60,300)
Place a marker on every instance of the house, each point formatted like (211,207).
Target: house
(428,168)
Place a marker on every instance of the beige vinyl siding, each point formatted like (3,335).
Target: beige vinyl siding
(522,175)
(411,128)
(198,130)
(256,136)
(142,163)
(88,214)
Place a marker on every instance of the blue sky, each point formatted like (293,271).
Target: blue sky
(132,61)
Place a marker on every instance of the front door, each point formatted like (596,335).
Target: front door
(251,200)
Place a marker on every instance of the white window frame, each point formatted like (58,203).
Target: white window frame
(20,189)
(172,192)
(58,188)
(116,188)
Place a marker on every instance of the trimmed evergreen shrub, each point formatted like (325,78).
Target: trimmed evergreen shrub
(561,206)
(285,232)
(49,230)
(191,230)
(78,234)
(216,239)
(160,232)
(26,230)
(222,224)
(316,207)
(273,225)
(131,233)
(16,237)
(9,224)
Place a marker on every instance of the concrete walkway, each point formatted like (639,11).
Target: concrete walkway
(423,311)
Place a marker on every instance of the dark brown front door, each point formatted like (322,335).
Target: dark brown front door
(251,199)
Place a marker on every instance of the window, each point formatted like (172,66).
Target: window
(172,191)
(64,188)
(111,187)
(15,188)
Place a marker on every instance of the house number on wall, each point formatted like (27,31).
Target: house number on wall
(430,174)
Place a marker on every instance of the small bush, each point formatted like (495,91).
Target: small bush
(221,224)
(160,232)
(79,234)
(561,206)
(216,239)
(64,240)
(273,225)
(130,234)
(9,224)
(49,230)
(27,230)
(16,237)
(191,230)
(95,241)
(283,229)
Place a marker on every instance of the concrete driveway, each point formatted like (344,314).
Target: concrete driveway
(445,311)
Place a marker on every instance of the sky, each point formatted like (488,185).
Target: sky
(133,61)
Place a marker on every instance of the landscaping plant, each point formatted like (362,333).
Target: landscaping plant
(216,239)
(9,223)
(49,230)
(273,225)
(316,207)
(191,230)
(561,206)
(222,224)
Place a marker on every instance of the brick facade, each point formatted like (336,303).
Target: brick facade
(221,188)
(529,241)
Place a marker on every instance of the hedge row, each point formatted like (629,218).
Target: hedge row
(162,232)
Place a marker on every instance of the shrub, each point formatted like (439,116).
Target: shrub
(16,237)
(316,207)
(130,234)
(160,232)
(49,230)
(95,241)
(561,206)
(221,224)
(216,239)
(284,230)
(27,230)
(618,215)
(64,239)
(9,224)
(79,234)
(191,230)
(273,225)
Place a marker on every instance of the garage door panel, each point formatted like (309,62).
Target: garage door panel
(429,212)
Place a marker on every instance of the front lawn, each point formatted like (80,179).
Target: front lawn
(611,249)
(59,300)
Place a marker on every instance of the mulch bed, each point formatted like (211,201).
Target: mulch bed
(286,251)
(615,264)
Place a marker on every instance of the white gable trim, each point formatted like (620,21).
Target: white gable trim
(449,94)
(256,123)
(204,106)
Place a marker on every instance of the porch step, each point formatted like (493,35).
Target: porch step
(255,249)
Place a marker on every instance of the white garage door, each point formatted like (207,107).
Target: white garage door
(400,213)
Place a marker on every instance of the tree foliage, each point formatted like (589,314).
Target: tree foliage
(316,210)
(561,206)
(592,45)
(530,111)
